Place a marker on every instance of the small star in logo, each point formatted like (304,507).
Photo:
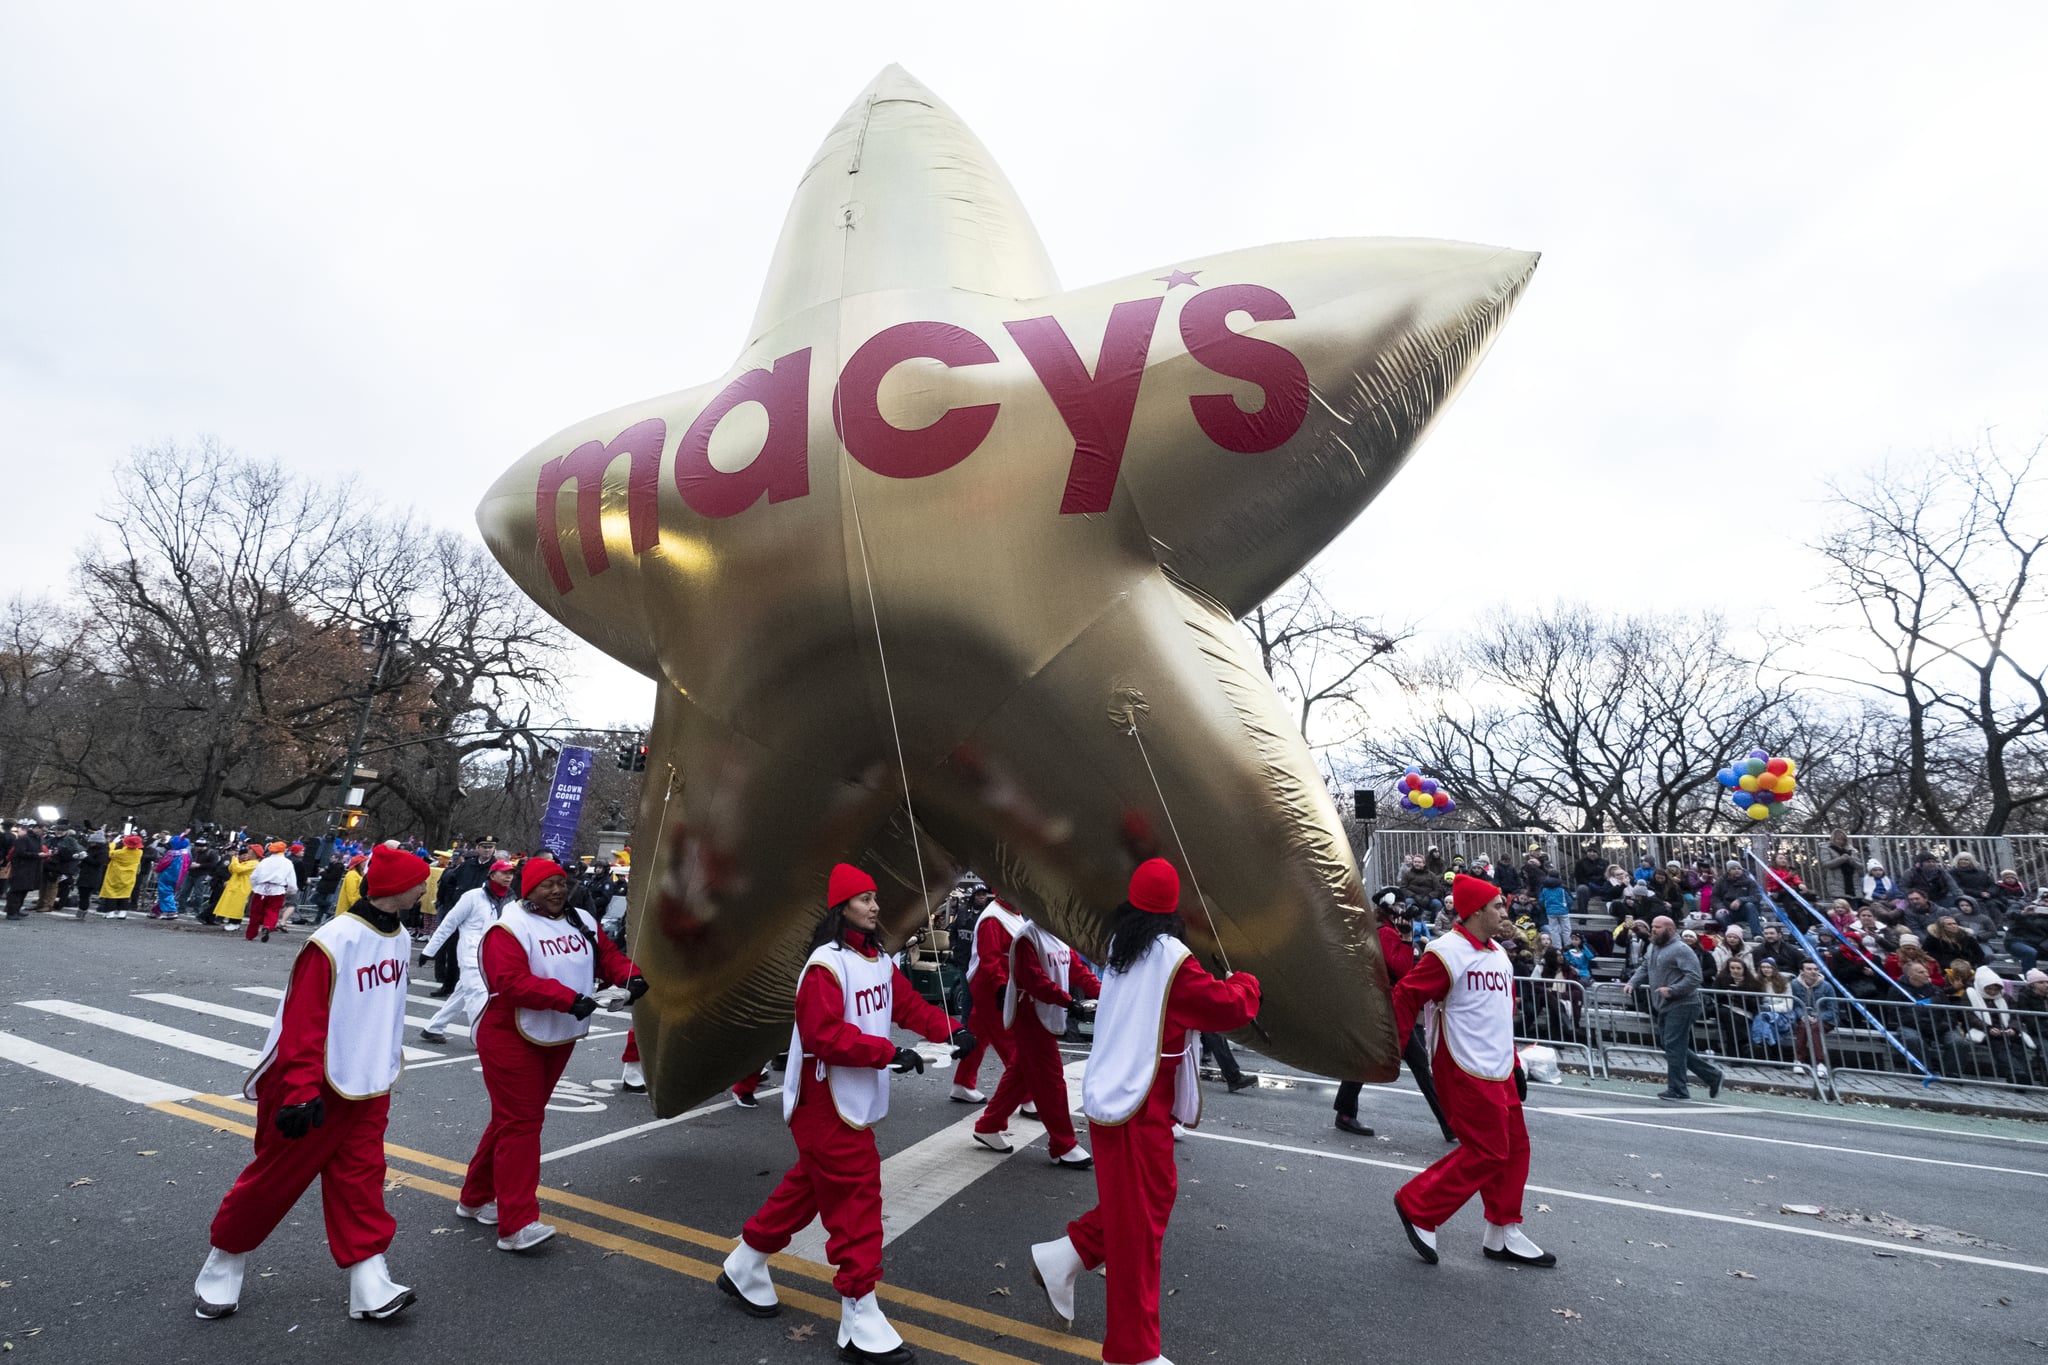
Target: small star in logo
(1175,277)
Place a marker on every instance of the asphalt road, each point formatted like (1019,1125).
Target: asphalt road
(1667,1220)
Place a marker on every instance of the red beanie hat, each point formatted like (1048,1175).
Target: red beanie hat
(391,872)
(846,882)
(1469,894)
(1155,887)
(537,871)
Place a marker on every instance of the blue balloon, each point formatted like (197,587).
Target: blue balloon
(1429,785)
(1763,754)
(1726,777)
(1746,799)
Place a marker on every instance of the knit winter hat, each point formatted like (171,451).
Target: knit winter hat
(537,870)
(392,871)
(1470,894)
(846,882)
(276,846)
(1155,887)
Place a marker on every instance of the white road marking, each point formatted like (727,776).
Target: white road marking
(922,1178)
(199,1043)
(440,1058)
(699,1112)
(122,1085)
(1601,1116)
(1900,1247)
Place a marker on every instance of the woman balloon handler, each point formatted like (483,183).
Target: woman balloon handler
(322,1088)
(835,1090)
(1156,999)
(541,960)
(988,979)
(1044,980)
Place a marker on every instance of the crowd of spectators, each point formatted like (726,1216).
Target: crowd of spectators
(1945,958)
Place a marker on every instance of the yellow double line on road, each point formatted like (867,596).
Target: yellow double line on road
(965,1315)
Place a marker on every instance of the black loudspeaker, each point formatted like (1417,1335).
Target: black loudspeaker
(1365,805)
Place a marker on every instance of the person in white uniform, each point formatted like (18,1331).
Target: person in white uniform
(476,911)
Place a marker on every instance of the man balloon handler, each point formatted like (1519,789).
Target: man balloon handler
(323,1096)
(1463,986)
(836,1089)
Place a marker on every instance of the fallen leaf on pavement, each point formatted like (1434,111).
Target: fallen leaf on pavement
(1662,1246)
(803,1331)
(632,1180)
(1886,1255)
(82,1180)
(1568,1314)
(145,1154)
(1741,1275)
(1543,1208)
(436,1232)
(999,1291)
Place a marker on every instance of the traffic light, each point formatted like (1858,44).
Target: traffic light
(640,759)
(351,819)
(626,757)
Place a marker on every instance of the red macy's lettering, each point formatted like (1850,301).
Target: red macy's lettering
(1477,980)
(870,998)
(1096,408)
(568,945)
(384,972)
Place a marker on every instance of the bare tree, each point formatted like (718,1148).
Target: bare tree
(1322,659)
(1568,719)
(1940,562)
(41,657)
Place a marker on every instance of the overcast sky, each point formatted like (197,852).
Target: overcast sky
(411,241)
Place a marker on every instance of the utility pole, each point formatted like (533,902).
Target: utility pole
(384,638)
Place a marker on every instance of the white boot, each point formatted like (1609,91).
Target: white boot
(371,1294)
(968,1095)
(995,1142)
(632,1078)
(1158,1360)
(528,1237)
(1075,1158)
(487,1213)
(862,1326)
(1056,1265)
(745,1277)
(1029,1111)
(218,1290)
(1510,1243)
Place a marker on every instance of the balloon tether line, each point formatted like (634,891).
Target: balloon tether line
(1221,952)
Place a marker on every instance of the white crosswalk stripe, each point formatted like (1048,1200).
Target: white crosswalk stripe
(412,1054)
(123,1085)
(198,1043)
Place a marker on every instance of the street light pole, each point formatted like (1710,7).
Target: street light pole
(386,634)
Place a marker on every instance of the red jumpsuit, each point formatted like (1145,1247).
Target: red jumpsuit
(838,1174)
(1033,1072)
(1135,1178)
(985,989)
(1492,1155)
(346,1152)
(520,1075)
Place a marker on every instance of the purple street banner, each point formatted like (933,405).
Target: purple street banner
(565,803)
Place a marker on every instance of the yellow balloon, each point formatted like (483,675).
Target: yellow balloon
(1790,767)
(1423,799)
(947,525)
(1746,782)
(1786,786)
(1760,811)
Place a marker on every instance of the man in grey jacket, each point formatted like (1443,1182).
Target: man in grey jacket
(1672,972)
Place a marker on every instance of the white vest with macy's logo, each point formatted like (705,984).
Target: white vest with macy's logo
(558,950)
(1477,1019)
(1056,958)
(365,1009)
(860,1093)
(1130,1027)
(1012,922)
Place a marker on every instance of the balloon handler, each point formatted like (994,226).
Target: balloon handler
(834,1092)
(988,978)
(1463,986)
(541,960)
(1142,1075)
(323,1095)
(1045,981)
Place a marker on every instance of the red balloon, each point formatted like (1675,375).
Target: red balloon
(1415,784)
(1775,767)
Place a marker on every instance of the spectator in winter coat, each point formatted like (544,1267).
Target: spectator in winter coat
(2030,1001)
(1920,911)
(1779,949)
(24,868)
(1947,941)
(1970,879)
(1505,877)
(1928,878)
(1816,1009)
(1733,948)
(92,869)
(1589,875)
(2001,1028)
(1736,896)
(2008,894)
(1579,958)
(1878,884)
(1420,887)
(1841,867)
(2026,932)
(1976,918)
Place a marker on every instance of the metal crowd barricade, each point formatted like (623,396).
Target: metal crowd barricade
(1624,1033)
(1388,849)
(1955,1042)
(1553,1014)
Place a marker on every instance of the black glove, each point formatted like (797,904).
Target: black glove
(636,986)
(963,1043)
(1521,1082)
(908,1059)
(584,1007)
(423,958)
(297,1120)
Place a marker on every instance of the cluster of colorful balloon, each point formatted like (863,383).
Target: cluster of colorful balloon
(1422,796)
(1758,782)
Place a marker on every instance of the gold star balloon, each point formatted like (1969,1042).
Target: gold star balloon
(945,572)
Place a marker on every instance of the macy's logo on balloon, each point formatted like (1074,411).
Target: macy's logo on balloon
(1097,409)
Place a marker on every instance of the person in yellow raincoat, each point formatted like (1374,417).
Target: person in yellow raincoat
(234,897)
(124,864)
(351,885)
